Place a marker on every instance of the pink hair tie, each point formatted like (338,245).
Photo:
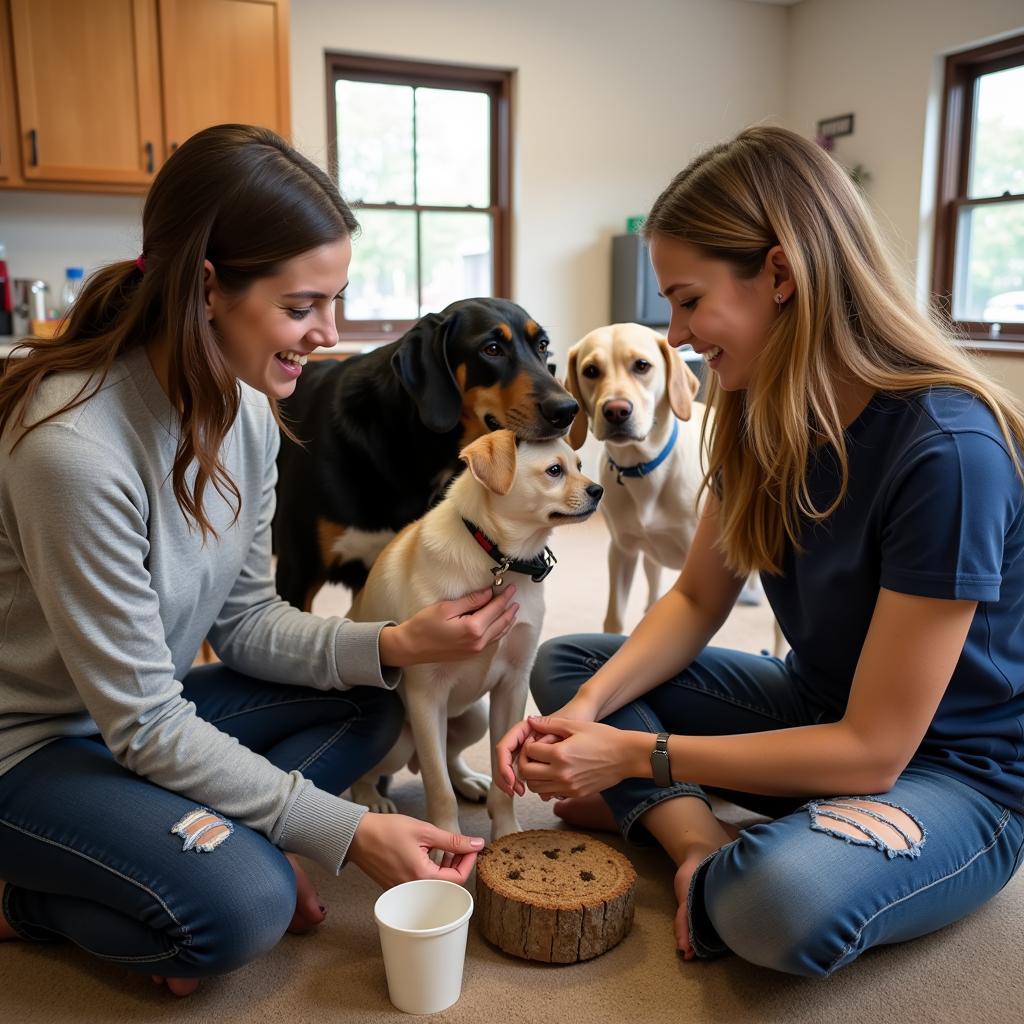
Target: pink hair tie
(140,262)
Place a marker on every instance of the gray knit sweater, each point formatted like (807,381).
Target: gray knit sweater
(106,595)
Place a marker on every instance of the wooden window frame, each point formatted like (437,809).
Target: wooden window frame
(497,84)
(962,73)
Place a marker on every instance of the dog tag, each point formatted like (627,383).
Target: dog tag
(499,571)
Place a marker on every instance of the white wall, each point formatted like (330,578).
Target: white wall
(1008,370)
(46,232)
(883,60)
(611,100)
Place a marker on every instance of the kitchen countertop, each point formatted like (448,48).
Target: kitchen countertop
(6,344)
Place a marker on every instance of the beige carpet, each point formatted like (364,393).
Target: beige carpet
(969,972)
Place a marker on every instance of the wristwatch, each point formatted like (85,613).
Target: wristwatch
(661,767)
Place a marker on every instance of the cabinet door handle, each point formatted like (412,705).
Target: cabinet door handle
(174,146)
(149,157)
(33,147)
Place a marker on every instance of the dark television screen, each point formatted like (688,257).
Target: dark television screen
(635,297)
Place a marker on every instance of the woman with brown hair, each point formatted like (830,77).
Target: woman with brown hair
(150,812)
(873,476)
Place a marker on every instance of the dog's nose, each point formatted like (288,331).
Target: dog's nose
(617,410)
(559,411)
(595,491)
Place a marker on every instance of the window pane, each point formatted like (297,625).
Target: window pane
(989,279)
(456,258)
(997,160)
(382,280)
(453,146)
(374,141)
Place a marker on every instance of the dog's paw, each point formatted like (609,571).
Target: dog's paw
(471,785)
(504,825)
(369,796)
(362,792)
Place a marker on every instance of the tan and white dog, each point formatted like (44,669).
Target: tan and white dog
(638,395)
(510,499)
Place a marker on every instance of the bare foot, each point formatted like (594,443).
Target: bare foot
(684,875)
(179,986)
(309,910)
(6,931)
(587,812)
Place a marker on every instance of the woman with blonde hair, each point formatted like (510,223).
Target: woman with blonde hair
(873,476)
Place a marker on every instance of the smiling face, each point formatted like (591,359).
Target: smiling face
(267,332)
(724,317)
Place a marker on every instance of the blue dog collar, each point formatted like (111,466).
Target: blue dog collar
(643,468)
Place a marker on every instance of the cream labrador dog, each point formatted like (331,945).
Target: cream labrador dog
(638,395)
(491,528)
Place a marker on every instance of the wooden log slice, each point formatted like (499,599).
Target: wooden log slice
(554,896)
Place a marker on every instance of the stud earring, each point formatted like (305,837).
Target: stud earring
(778,299)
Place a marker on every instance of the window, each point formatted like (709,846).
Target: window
(979,238)
(423,154)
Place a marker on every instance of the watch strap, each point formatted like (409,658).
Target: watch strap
(661,766)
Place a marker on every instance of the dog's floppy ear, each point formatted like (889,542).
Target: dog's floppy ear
(578,430)
(421,364)
(492,460)
(681,382)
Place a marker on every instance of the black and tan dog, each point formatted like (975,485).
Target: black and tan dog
(382,433)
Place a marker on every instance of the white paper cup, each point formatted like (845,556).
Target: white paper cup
(423,928)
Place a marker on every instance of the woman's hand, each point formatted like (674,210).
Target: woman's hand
(393,848)
(510,746)
(449,630)
(576,758)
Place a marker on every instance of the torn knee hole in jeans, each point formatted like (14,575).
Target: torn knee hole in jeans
(867,821)
(202,830)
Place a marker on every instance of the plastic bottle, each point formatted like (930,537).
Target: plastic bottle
(72,286)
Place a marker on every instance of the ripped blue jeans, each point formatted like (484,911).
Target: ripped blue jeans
(89,855)
(809,891)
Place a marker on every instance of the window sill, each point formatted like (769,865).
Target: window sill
(354,344)
(1003,346)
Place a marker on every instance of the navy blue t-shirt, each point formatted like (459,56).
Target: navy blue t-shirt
(934,508)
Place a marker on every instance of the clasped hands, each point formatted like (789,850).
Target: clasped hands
(564,755)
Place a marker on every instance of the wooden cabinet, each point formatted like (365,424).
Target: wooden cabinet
(87,82)
(224,61)
(9,172)
(95,96)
